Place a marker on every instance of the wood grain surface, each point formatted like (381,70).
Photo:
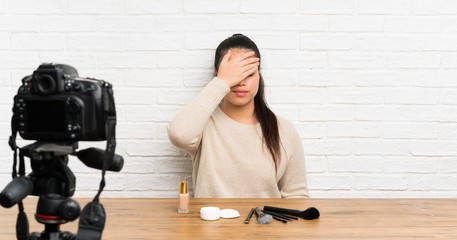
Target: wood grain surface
(340,219)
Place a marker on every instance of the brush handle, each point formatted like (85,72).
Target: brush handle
(258,212)
(309,214)
(283,210)
(249,216)
(286,217)
(279,219)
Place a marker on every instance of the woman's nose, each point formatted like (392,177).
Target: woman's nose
(242,83)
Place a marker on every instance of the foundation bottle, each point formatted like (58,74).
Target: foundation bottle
(183,197)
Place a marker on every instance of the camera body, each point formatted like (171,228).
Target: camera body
(55,104)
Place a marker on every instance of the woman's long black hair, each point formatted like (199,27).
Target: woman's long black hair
(264,115)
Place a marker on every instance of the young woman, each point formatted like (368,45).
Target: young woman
(239,148)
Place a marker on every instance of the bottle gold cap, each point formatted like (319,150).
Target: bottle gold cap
(183,189)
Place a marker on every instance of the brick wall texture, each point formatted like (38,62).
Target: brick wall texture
(370,85)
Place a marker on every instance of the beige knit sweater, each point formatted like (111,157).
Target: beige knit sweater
(229,158)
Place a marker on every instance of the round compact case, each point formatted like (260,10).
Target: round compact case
(214,213)
(210,213)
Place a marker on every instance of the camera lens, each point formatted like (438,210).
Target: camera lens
(46,84)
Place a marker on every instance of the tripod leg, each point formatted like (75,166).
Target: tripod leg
(68,236)
(34,236)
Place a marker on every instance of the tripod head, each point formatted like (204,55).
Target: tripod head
(53,181)
(50,173)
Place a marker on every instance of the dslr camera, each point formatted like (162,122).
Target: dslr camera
(55,104)
(57,108)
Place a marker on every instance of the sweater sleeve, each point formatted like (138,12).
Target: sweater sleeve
(186,128)
(293,183)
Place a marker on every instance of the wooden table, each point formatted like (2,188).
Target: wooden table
(340,219)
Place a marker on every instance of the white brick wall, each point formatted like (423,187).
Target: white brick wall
(370,85)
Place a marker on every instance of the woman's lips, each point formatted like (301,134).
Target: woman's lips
(240,93)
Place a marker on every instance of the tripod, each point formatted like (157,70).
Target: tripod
(54,183)
(52,232)
(68,210)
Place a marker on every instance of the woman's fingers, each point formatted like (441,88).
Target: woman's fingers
(242,56)
(248,67)
(249,63)
(250,60)
(247,54)
(250,70)
(234,68)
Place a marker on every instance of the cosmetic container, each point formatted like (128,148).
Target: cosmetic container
(183,197)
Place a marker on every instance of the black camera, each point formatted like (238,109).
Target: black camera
(58,108)
(55,104)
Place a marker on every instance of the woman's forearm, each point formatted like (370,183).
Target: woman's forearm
(187,126)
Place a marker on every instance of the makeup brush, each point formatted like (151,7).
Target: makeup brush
(289,218)
(275,217)
(262,218)
(249,216)
(308,214)
(279,219)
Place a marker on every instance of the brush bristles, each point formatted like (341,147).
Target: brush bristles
(310,214)
(265,219)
